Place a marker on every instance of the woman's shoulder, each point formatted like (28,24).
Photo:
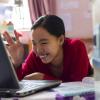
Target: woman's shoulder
(74,42)
(74,47)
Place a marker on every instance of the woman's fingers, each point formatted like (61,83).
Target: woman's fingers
(8,38)
(34,76)
(17,35)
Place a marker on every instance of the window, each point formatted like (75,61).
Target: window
(21,16)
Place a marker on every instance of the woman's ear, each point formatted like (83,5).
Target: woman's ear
(61,39)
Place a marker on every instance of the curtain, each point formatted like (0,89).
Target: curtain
(38,8)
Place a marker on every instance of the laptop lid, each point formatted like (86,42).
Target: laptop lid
(8,78)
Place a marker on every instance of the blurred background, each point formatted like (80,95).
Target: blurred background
(81,18)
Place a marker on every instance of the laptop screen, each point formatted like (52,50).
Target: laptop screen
(8,79)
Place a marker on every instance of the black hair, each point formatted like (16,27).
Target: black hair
(51,23)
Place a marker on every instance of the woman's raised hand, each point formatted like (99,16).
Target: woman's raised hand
(15,48)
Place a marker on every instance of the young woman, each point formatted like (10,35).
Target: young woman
(53,56)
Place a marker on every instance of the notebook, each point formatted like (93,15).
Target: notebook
(9,84)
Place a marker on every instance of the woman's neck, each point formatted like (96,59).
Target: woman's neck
(58,61)
(57,65)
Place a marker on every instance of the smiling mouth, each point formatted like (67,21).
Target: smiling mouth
(43,56)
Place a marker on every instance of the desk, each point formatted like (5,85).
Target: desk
(52,96)
(66,91)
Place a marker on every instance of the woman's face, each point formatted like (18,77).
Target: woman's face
(46,46)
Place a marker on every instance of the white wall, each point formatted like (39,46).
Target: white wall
(77,16)
(26,36)
(4,1)
(96,12)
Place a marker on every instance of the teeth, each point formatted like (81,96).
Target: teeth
(43,56)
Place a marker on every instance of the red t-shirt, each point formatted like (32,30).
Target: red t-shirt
(76,64)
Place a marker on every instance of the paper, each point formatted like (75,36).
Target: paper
(74,88)
(97,89)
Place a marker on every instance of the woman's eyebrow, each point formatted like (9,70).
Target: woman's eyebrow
(42,40)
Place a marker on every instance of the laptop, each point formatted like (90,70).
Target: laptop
(9,84)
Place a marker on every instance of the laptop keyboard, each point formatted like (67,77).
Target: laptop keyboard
(33,86)
(29,85)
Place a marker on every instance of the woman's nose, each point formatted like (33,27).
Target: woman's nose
(38,49)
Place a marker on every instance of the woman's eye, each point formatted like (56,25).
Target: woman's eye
(43,43)
(33,43)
